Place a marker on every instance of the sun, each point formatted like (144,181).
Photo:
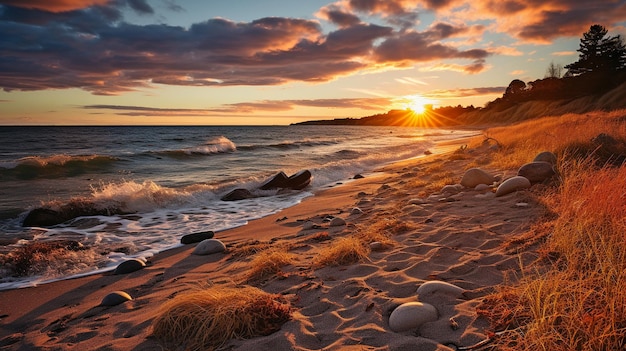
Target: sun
(417,103)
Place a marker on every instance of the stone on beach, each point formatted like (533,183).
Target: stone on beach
(356,211)
(475,176)
(512,184)
(440,288)
(537,172)
(209,246)
(546,156)
(115,298)
(411,315)
(196,237)
(129,266)
(337,222)
(452,189)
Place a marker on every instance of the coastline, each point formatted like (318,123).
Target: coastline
(66,315)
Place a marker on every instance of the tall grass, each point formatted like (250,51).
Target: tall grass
(578,302)
(560,134)
(270,262)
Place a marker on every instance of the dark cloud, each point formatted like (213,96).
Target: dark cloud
(140,6)
(459,93)
(423,47)
(339,16)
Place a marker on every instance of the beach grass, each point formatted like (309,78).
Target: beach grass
(270,262)
(342,251)
(206,319)
(575,299)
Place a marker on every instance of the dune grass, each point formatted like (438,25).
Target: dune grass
(578,300)
(206,319)
(270,262)
(342,251)
(567,134)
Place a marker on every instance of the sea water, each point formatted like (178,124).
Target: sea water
(170,181)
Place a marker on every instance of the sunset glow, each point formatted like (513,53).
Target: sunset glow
(272,62)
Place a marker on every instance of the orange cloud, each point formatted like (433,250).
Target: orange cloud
(54,5)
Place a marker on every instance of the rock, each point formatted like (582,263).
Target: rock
(337,222)
(208,247)
(308,225)
(358,176)
(238,194)
(376,246)
(537,172)
(417,201)
(512,184)
(452,189)
(356,211)
(42,217)
(299,181)
(277,181)
(438,287)
(411,315)
(115,298)
(546,156)
(196,237)
(475,176)
(604,139)
(45,217)
(482,187)
(129,266)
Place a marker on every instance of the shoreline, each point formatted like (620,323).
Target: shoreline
(66,313)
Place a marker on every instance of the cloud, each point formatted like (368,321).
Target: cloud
(460,93)
(538,21)
(517,72)
(247,107)
(86,44)
(54,5)
(564,53)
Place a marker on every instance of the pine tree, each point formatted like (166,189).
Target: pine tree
(599,53)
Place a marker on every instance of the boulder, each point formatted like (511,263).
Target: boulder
(115,298)
(129,266)
(299,181)
(546,156)
(512,184)
(411,315)
(277,181)
(537,172)
(209,246)
(196,237)
(475,176)
(238,194)
(45,217)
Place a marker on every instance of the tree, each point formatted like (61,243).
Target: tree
(554,71)
(599,53)
(515,89)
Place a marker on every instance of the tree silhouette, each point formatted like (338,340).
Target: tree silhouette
(599,53)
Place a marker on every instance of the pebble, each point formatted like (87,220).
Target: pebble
(115,298)
(129,266)
(337,222)
(511,185)
(209,246)
(411,315)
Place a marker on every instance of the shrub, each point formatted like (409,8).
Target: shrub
(343,251)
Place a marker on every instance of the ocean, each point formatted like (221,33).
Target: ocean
(170,181)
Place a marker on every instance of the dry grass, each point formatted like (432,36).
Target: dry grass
(562,135)
(578,302)
(270,262)
(343,251)
(205,320)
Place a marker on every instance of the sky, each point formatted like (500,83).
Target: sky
(276,62)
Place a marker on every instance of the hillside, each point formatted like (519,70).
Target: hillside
(544,97)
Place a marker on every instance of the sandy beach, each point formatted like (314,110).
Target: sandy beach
(459,238)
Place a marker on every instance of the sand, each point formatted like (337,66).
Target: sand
(457,238)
